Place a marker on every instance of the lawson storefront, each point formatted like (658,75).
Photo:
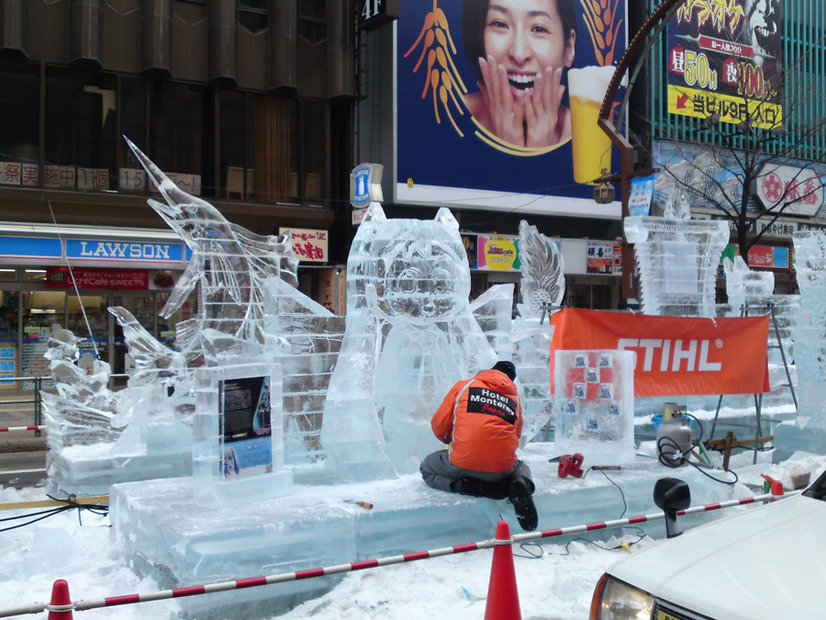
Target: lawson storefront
(68,276)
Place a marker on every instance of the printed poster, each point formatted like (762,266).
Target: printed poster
(485,114)
(246,426)
(726,58)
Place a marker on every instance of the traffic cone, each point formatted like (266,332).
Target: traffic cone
(777,488)
(60,607)
(503,598)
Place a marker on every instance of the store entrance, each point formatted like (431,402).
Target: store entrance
(581,293)
(87,316)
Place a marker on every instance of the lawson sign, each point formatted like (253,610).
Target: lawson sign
(146,253)
(154,252)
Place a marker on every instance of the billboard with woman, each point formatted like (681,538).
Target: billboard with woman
(493,105)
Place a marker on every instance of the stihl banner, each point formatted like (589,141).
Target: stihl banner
(675,355)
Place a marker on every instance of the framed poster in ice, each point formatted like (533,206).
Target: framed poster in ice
(238,447)
(246,418)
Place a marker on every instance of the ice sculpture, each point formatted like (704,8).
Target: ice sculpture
(314,336)
(543,290)
(410,335)
(594,403)
(745,287)
(231,265)
(81,412)
(678,263)
(810,333)
(808,431)
(750,293)
(148,432)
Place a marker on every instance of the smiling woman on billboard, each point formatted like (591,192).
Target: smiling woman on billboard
(519,49)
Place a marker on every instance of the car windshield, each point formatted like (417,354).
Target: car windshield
(818,489)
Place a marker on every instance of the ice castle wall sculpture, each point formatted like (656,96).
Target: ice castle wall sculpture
(810,333)
(678,261)
(410,335)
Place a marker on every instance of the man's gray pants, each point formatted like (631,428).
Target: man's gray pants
(438,472)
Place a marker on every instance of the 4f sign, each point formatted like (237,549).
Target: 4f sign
(375,13)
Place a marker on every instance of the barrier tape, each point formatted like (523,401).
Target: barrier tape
(8,429)
(253,582)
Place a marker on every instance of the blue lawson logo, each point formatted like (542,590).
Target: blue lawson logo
(143,251)
(365,185)
(361,186)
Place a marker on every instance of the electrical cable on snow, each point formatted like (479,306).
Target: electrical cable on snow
(70,504)
(678,462)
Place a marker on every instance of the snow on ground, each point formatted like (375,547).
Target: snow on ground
(554,580)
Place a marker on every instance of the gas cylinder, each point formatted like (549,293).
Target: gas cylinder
(673,441)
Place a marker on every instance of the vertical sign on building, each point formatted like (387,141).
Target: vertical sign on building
(365,187)
(726,59)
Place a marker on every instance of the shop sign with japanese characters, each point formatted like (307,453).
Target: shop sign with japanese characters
(309,244)
(725,57)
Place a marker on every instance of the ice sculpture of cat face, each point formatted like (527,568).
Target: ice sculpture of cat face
(417,269)
(422,282)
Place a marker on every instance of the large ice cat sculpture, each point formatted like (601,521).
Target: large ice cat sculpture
(409,336)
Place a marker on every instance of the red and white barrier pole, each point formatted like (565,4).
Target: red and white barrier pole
(253,582)
(9,429)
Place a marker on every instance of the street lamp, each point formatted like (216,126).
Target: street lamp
(625,147)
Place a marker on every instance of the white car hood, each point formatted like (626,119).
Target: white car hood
(767,562)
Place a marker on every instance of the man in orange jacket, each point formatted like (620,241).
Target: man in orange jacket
(481,421)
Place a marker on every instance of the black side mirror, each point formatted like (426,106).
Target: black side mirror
(672,495)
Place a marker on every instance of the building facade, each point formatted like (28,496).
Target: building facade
(246,103)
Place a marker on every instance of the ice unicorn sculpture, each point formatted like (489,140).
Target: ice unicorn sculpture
(409,336)
(147,427)
(231,264)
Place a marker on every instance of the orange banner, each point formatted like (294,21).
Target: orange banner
(675,355)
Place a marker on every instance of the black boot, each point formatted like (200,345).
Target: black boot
(480,488)
(519,494)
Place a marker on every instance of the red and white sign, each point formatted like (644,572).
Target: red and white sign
(60,277)
(675,355)
(309,244)
(801,187)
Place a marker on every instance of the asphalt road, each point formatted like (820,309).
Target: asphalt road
(22,469)
(22,454)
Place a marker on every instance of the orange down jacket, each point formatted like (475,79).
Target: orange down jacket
(483,429)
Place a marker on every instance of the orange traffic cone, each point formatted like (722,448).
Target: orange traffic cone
(777,488)
(60,607)
(503,598)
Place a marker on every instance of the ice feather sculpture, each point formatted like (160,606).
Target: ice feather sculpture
(543,272)
(543,291)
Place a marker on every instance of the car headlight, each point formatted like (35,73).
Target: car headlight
(616,600)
